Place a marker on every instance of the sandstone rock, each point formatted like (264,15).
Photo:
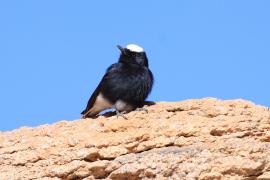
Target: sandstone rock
(193,139)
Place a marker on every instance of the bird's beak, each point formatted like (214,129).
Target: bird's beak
(121,49)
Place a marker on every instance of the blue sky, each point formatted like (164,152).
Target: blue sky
(54,53)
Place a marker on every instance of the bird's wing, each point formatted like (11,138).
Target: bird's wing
(93,97)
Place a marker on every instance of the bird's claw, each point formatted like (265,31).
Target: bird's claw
(121,114)
(142,109)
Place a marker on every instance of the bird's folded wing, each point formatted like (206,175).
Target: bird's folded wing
(94,96)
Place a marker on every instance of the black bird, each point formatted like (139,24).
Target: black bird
(125,85)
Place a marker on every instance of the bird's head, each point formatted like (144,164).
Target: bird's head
(133,54)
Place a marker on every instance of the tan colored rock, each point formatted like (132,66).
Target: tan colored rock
(264,176)
(194,139)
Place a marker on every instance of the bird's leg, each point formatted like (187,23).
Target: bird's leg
(121,114)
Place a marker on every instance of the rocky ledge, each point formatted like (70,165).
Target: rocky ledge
(192,139)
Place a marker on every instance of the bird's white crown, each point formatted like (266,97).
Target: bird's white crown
(135,48)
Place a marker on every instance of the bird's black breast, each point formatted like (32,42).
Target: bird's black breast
(130,83)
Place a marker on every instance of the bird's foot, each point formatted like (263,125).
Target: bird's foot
(142,109)
(121,114)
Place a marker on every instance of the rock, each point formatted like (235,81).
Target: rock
(193,139)
(264,176)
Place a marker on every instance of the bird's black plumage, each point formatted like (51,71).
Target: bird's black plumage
(125,85)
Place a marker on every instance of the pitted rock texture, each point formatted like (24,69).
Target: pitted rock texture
(193,139)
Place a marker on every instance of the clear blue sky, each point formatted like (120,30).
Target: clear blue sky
(54,53)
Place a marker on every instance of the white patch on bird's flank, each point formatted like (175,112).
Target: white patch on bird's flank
(135,48)
(122,106)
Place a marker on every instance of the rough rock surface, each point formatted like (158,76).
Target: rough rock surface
(193,139)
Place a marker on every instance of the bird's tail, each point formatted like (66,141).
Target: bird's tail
(86,113)
(83,112)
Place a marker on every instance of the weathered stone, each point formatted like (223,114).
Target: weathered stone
(193,139)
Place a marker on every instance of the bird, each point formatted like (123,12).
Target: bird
(125,85)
